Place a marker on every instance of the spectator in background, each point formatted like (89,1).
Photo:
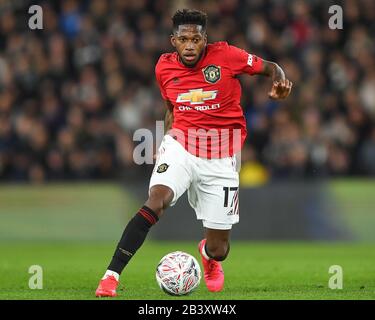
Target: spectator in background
(72,94)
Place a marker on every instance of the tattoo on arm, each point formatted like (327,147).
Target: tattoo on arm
(273,70)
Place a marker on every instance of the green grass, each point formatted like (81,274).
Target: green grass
(253,270)
(71,231)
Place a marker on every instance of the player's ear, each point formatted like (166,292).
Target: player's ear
(173,40)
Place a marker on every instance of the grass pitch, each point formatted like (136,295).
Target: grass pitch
(71,232)
(252,270)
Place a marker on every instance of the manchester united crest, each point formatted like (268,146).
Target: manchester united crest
(212,73)
(162,168)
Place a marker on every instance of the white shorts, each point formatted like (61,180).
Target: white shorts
(212,184)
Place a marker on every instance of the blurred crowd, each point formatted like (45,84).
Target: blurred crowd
(72,94)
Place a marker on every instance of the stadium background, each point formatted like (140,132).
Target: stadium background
(73,94)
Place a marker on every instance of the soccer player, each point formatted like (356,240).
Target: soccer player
(202,93)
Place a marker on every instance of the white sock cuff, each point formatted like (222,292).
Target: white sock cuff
(111,273)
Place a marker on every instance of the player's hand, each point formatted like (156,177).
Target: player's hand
(280,89)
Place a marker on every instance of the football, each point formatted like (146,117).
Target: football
(178,273)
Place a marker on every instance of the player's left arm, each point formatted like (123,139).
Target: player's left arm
(281,86)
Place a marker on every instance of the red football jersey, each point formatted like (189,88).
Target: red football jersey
(208,117)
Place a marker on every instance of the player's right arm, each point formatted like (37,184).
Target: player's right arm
(168,120)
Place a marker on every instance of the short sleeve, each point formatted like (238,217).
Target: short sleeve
(159,81)
(243,62)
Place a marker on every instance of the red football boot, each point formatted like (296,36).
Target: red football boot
(107,287)
(213,271)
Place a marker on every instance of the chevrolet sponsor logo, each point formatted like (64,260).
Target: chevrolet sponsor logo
(196,96)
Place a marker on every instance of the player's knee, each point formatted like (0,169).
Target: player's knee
(159,199)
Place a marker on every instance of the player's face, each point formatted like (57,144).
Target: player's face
(189,41)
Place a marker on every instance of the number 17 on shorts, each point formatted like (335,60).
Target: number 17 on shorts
(231,200)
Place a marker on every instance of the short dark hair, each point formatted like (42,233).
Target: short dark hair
(189,16)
